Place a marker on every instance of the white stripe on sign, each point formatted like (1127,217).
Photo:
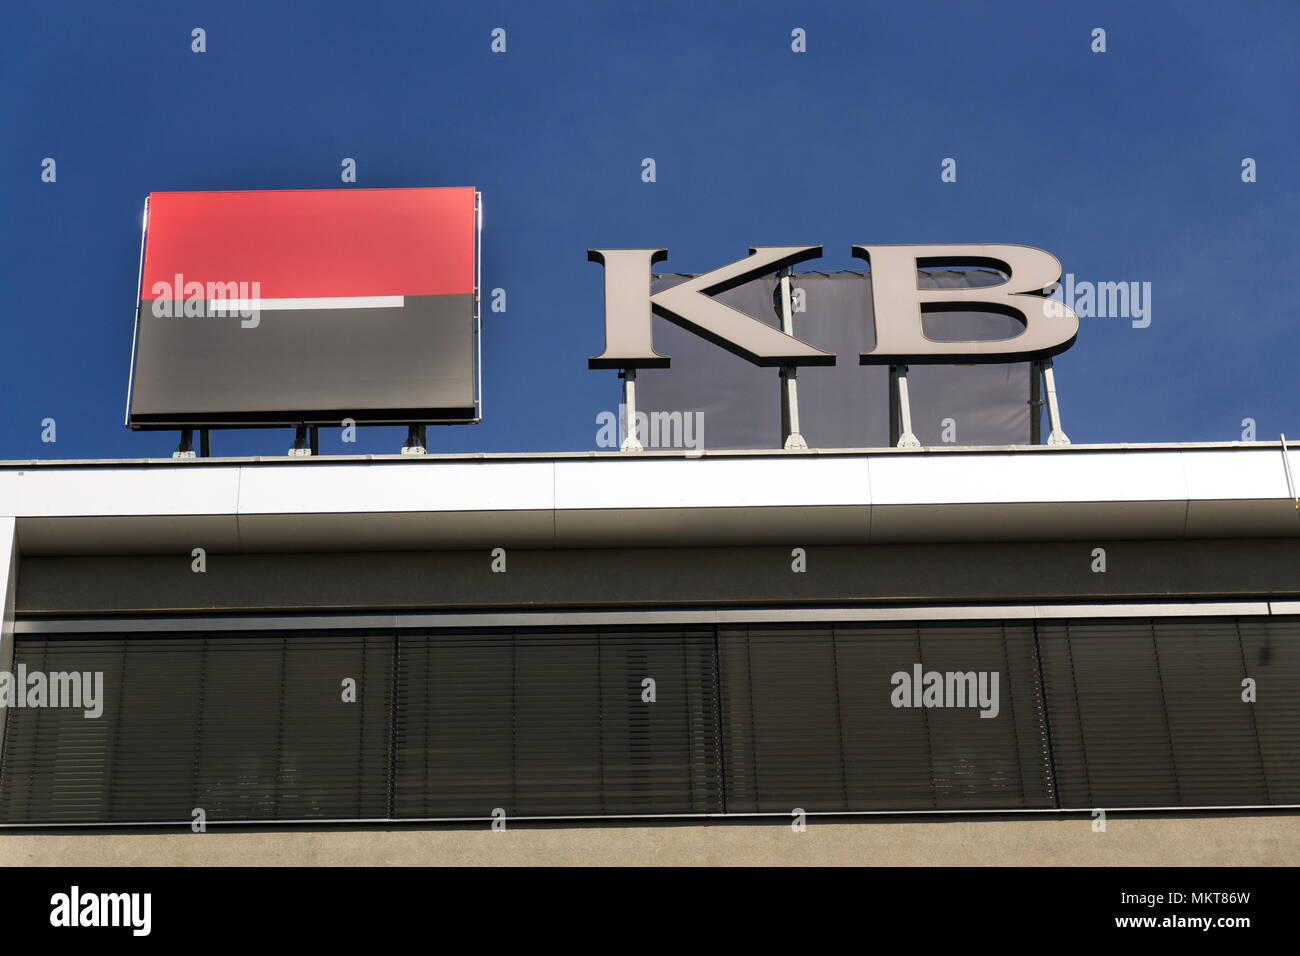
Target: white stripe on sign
(330,302)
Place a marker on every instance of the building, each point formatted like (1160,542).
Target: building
(391,658)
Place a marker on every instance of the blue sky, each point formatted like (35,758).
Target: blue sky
(1126,165)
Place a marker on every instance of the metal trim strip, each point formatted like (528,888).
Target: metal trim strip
(563,618)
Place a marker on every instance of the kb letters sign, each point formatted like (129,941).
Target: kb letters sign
(900,306)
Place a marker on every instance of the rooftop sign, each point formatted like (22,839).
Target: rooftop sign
(981,307)
(899,305)
(293,307)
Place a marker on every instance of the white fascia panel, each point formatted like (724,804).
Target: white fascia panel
(1236,475)
(397,487)
(649,483)
(114,492)
(1027,479)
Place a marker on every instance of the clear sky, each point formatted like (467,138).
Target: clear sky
(1127,165)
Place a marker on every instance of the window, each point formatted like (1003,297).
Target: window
(396,723)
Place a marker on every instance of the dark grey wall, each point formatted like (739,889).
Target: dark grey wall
(898,574)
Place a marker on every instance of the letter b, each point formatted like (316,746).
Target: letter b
(901,305)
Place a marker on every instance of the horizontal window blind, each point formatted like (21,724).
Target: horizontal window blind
(551,721)
(557,724)
(1151,712)
(811,721)
(1271,650)
(246,727)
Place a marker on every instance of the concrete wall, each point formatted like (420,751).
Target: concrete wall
(1243,839)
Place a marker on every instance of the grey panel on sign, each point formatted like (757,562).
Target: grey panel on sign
(845,405)
(300,365)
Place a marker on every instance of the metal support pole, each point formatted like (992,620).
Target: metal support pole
(8,589)
(186,447)
(789,376)
(1056,436)
(415,440)
(1035,403)
(1290,482)
(898,377)
(894,430)
(301,447)
(205,443)
(631,441)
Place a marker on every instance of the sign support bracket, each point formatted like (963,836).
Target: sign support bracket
(793,439)
(1056,436)
(631,442)
(185,447)
(306,442)
(900,409)
(416,438)
(1035,402)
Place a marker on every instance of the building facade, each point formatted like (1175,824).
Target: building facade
(987,655)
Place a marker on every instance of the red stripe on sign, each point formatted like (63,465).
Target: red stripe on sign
(311,243)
